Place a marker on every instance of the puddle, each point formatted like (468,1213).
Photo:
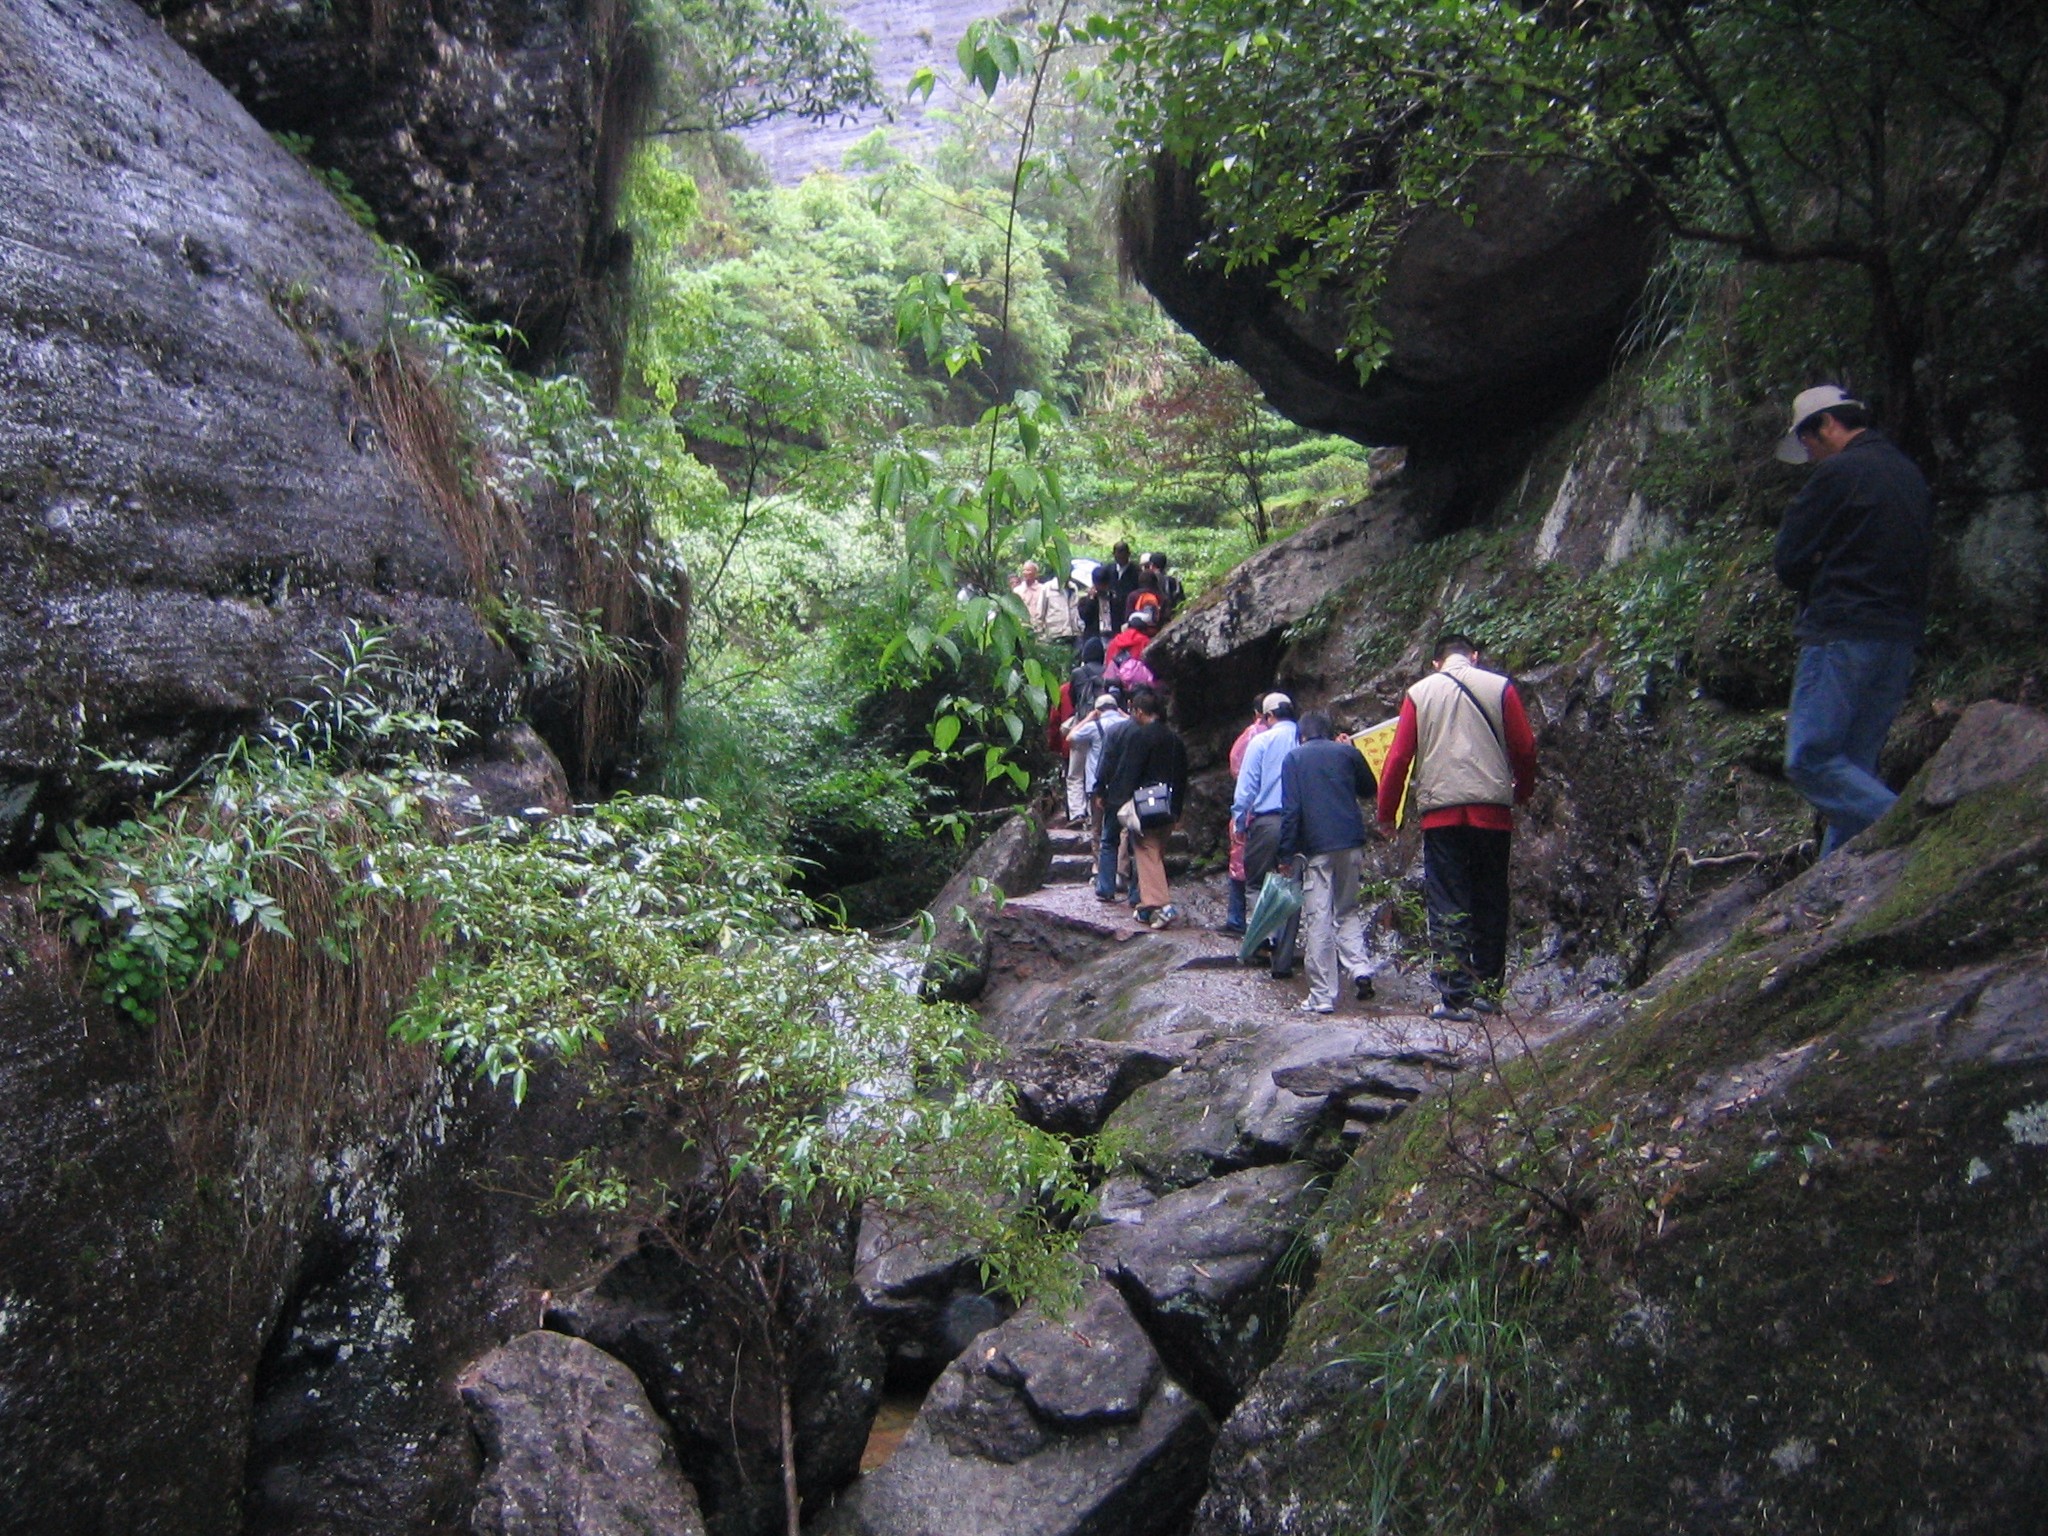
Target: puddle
(892,1423)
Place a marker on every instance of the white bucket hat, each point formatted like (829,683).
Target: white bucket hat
(1809,402)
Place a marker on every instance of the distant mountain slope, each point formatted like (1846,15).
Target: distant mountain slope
(902,34)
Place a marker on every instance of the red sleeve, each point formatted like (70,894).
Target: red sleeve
(1521,744)
(1400,758)
(1061,713)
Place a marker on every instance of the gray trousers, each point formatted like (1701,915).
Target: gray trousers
(1333,929)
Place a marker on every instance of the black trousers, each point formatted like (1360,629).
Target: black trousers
(1465,884)
(1261,858)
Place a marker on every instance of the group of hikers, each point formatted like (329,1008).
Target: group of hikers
(1855,547)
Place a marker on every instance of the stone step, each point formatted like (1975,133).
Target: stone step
(1077,840)
(1073,868)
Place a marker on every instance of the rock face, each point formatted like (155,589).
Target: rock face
(1226,647)
(698,1355)
(1501,320)
(1060,1429)
(922,1292)
(488,135)
(1870,1040)
(1013,860)
(194,498)
(1199,1266)
(571,1446)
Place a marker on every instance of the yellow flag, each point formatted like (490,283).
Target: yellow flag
(1376,742)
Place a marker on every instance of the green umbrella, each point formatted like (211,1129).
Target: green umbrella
(1279,899)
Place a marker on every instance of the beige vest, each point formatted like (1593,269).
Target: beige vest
(1458,759)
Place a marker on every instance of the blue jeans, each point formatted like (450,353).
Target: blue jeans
(1105,860)
(1844,697)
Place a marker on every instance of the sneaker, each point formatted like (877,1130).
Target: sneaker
(1316,1007)
(1448,1014)
(1483,1005)
(1362,987)
(1107,901)
(1235,930)
(1166,917)
(1143,916)
(1283,975)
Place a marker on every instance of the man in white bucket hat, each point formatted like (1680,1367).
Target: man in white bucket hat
(1855,546)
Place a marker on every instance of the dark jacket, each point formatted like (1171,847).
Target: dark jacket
(1100,613)
(1321,784)
(1145,754)
(1856,545)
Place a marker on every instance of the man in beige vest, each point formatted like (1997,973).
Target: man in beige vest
(1465,735)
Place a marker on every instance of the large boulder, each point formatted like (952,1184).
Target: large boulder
(688,1335)
(1268,1097)
(1497,320)
(1225,648)
(1201,1267)
(571,1446)
(489,137)
(921,1289)
(1011,862)
(195,498)
(1057,1428)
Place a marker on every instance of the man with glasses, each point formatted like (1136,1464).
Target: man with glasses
(1855,546)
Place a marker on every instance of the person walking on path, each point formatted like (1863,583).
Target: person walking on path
(1045,610)
(1255,811)
(1234,913)
(1148,752)
(1855,545)
(1098,612)
(1123,573)
(1170,588)
(1094,734)
(1322,782)
(1465,735)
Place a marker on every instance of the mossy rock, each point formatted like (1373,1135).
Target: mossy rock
(1802,1284)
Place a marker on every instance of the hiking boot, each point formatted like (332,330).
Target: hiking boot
(1451,1013)
(1166,917)
(1362,987)
(1235,930)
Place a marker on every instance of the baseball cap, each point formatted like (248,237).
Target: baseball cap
(1808,403)
(1275,701)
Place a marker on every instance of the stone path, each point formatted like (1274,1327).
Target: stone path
(1228,1109)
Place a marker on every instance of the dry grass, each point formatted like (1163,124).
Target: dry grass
(426,436)
(287,1049)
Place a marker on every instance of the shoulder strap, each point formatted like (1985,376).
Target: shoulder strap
(1498,739)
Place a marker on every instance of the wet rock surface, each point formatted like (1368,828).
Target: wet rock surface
(571,1446)
(696,1349)
(194,497)
(1012,861)
(921,1290)
(1066,1429)
(488,136)
(1073,1088)
(1201,1266)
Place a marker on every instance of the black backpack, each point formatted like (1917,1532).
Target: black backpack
(1085,681)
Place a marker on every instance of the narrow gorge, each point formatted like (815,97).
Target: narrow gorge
(546,984)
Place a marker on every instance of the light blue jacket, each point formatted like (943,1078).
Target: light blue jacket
(1258,781)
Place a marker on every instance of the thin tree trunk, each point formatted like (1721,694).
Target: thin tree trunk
(789,1500)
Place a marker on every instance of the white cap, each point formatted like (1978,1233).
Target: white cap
(1808,403)
(1274,701)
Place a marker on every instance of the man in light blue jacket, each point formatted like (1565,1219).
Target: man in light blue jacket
(1256,807)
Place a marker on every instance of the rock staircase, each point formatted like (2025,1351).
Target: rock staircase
(1073,856)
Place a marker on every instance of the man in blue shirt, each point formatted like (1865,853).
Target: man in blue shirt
(1323,781)
(1856,546)
(1255,809)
